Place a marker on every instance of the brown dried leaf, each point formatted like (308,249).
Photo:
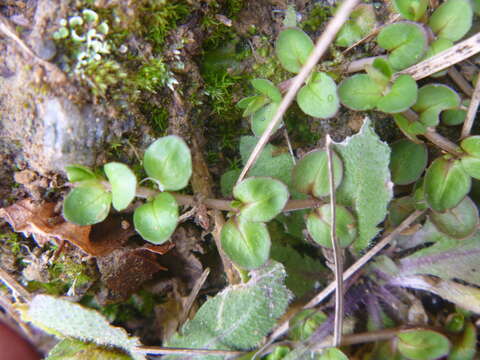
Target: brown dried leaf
(42,221)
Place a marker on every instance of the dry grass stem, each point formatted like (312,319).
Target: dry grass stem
(158,350)
(192,296)
(14,286)
(320,47)
(460,81)
(457,53)
(472,112)
(337,255)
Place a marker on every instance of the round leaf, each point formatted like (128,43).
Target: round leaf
(157,219)
(255,104)
(452,19)
(76,173)
(399,209)
(458,222)
(446,184)
(453,117)
(267,88)
(362,21)
(471,145)
(406,42)
(123,182)
(332,354)
(319,225)
(380,71)
(246,243)
(432,100)
(410,128)
(423,344)
(318,98)
(262,118)
(168,160)
(263,198)
(304,324)
(87,204)
(359,92)
(471,165)
(402,95)
(407,161)
(310,175)
(293,47)
(411,9)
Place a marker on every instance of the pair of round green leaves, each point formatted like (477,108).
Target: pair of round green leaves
(471,160)
(167,161)
(376,90)
(245,238)
(318,97)
(89,202)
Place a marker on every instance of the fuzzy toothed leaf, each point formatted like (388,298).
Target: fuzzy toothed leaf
(366,187)
(66,319)
(239,316)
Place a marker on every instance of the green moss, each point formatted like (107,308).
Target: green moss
(317,16)
(157,117)
(13,241)
(152,75)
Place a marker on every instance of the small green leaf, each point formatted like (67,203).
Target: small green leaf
(304,324)
(318,98)
(465,347)
(362,21)
(246,243)
(471,145)
(407,161)
(293,47)
(399,209)
(406,42)
(267,88)
(402,95)
(471,165)
(319,225)
(410,128)
(123,182)
(453,117)
(255,105)
(157,219)
(411,9)
(359,92)
(332,354)
(380,71)
(262,118)
(263,198)
(432,100)
(310,175)
(278,353)
(458,222)
(452,19)
(446,184)
(76,173)
(243,103)
(423,344)
(168,161)
(87,204)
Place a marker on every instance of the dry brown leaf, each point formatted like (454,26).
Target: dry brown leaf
(42,222)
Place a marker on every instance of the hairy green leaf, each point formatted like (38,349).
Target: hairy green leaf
(310,175)
(452,19)
(263,198)
(318,98)
(406,42)
(71,349)
(246,243)
(169,162)
(293,47)
(123,182)
(239,316)
(366,185)
(156,220)
(87,204)
(66,319)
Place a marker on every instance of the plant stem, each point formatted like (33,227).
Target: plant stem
(434,137)
(472,112)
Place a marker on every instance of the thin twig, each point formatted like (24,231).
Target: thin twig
(337,256)
(193,295)
(158,350)
(460,81)
(14,286)
(321,46)
(453,55)
(289,144)
(283,327)
(472,111)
